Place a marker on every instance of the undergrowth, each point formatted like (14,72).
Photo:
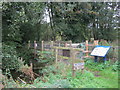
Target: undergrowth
(95,75)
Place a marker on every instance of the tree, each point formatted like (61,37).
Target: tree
(79,21)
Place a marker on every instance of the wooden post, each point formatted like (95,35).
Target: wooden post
(86,48)
(35,46)
(59,50)
(29,44)
(95,42)
(113,53)
(65,44)
(56,55)
(58,44)
(70,43)
(72,58)
(51,46)
(42,46)
(31,69)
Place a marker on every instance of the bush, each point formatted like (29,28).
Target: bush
(45,57)
(25,53)
(52,81)
(10,58)
(49,69)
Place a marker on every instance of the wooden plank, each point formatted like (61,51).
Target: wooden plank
(63,57)
(77,49)
(76,59)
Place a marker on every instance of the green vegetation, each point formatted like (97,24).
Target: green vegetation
(96,75)
(75,21)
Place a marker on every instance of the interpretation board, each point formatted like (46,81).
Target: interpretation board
(78,66)
(100,51)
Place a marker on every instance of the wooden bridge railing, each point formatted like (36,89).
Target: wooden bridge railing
(72,52)
(56,46)
(47,45)
(72,56)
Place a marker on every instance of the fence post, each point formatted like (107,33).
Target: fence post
(72,58)
(29,44)
(86,48)
(95,42)
(65,44)
(51,46)
(42,45)
(56,55)
(70,43)
(35,45)
(59,44)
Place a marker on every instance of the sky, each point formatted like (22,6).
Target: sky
(46,16)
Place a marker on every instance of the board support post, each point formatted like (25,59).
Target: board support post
(104,59)
(95,58)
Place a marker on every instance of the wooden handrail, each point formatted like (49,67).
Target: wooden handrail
(77,49)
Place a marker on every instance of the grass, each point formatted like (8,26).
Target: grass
(89,80)
(105,75)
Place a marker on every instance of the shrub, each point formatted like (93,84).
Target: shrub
(10,58)
(62,84)
(49,69)
(25,53)
(45,57)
